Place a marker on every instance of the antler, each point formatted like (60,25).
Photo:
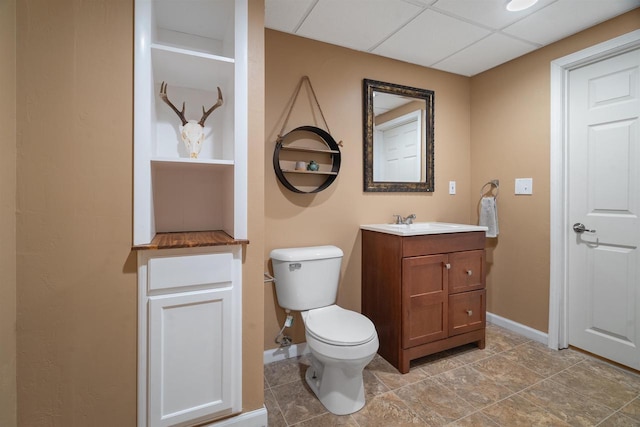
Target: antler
(205,114)
(163,95)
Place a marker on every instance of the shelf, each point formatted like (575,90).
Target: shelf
(332,150)
(191,69)
(190,52)
(190,239)
(310,172)
(309,150)
(190,161)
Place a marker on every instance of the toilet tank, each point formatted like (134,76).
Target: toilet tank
(308,277)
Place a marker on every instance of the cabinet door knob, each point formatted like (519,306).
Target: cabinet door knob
(469,312)
(447,266)
(469,272)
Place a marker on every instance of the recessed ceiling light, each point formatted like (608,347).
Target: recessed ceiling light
(518,5)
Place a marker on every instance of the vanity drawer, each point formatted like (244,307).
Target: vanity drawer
(467,311)
(466,271)
(430,244)
(190,270)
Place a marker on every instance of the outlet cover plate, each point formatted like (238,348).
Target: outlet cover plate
(524,185)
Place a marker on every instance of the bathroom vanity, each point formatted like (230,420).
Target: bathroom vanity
(423,286)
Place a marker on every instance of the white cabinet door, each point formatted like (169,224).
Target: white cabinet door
(189,356)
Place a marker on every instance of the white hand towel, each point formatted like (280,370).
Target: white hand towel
(489,215)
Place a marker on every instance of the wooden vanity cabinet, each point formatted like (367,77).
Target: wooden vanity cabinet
(425,294)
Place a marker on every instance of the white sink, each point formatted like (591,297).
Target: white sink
(420,228)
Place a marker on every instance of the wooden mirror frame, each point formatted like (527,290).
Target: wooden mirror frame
(371,86)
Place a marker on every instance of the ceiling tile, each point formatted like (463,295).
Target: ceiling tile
(356,24)
(487,53)
(285,15)
(429,38)
(566,17)
(492,13)
(459,36)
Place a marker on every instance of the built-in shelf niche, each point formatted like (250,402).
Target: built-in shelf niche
(192,197)
(191,46)
(219,138)
(205,26)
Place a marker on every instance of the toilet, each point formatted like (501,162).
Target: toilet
(342,342)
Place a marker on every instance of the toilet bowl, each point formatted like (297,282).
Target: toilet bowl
(342,343)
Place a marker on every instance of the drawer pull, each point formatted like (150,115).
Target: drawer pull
(470,312)
(469,272)
(447,266)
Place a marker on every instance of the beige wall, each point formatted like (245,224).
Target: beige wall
(77,316)
(334,215)
(510,139)
(76,275)
(8,214)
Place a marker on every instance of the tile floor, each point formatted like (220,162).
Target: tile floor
(512,382)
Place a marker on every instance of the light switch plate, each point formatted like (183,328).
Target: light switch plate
(524,185)
(452,187)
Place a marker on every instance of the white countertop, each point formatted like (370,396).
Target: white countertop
(421,228)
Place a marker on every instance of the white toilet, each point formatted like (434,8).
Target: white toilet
(342,342)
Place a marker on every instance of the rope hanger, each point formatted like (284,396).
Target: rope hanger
(303,79)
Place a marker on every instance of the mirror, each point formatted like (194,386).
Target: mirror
(398,137)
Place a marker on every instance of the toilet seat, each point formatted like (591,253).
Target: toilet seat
(334,325)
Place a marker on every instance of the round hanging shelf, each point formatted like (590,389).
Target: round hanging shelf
(333,150)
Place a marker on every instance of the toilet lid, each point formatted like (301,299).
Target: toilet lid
(337,326)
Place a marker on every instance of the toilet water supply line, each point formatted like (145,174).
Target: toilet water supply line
(285,341)
(281,338)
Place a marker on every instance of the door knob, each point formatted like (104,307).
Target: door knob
(579,227)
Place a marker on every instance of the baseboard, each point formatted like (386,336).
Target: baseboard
(533,334)
(257,418)
(283,353)
(295,350)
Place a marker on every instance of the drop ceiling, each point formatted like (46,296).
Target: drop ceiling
(463,37)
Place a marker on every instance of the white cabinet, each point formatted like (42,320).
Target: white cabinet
(190,214)
(190,320)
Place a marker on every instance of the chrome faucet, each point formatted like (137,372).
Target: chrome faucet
(408,220)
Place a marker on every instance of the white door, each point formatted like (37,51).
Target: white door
(189,356)
(604,196)
(401,149)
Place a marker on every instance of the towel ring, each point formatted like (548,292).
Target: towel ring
(493,183)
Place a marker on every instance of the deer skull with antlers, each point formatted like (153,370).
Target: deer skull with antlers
(191,132)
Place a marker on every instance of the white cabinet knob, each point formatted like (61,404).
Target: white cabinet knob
(447,266)
(469,272)
(469,312)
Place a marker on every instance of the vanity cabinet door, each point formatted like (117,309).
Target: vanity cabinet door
(466,312)
(424,299)
(467,271)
